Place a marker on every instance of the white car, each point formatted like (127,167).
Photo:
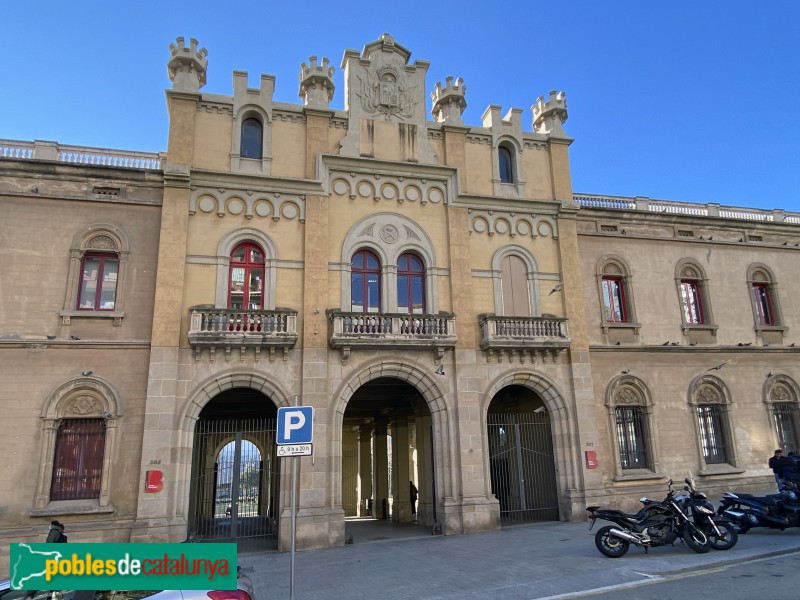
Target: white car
(244,591)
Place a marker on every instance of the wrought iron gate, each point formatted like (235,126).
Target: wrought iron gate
(234,480)
(522,466)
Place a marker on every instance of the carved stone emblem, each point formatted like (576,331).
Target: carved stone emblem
(387,93)
(102,242)
(390,234)
(779,393)
(709,395)
(84,405)
(628,396)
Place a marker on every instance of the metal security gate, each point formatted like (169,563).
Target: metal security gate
(234,480)
(522,466)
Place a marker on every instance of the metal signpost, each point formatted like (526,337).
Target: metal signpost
(295,436)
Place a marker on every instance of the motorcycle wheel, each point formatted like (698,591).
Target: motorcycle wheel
(609,544)
(742,528)
(696,539)
(726,540)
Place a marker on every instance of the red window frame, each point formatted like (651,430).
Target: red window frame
(411,269)
(763,300)
(609,282)
(102,286)
(252,277)
(360,269)
(78,460)
(691,288)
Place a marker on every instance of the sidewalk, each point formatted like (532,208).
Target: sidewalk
(517,563)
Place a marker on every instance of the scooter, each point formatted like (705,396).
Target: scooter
(774,511)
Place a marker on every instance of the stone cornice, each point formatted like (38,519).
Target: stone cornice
(522,205)
(237,181)
(43,342)
(334,162)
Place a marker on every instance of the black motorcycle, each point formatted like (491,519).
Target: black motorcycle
(657,524)
(719,530)
(774,511)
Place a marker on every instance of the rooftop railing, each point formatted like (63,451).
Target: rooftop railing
(689,209)
(105,157)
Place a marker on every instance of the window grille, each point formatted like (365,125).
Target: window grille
(713,434)
(78,463)
(786,415)
(631,437)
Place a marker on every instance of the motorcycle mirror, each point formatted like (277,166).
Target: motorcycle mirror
(687,480)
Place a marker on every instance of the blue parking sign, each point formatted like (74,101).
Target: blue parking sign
(295,425)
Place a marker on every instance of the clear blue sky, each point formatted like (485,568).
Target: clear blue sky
(683,100)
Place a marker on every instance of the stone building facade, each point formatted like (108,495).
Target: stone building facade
(459,319)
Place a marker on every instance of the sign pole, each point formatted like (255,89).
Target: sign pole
(294,518)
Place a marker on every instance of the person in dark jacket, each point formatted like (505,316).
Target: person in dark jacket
(56,532)
(414,494)
(776,463)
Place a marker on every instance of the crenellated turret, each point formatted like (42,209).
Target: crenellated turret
(548,116)
(449,101)
(316,83)
(187,67)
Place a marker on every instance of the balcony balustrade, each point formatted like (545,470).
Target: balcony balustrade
(523,333)
(228,329)
(397,331)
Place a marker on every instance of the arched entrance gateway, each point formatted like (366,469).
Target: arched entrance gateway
(235,474)
(521,460)
(386,449)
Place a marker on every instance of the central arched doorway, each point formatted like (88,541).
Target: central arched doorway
(387,463)
(521,460)
(234,489)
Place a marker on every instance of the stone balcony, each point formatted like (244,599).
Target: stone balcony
(544,336)
(395,331)
(231,329)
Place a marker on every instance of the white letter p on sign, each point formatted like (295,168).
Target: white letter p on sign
(292,420)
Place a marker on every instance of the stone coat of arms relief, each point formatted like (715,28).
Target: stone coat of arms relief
(388,93)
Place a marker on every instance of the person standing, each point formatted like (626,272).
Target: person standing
(56,533)
(414,494)
(776,464)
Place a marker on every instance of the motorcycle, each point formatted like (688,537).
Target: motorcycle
(719,530)
(657,524)
(773,511)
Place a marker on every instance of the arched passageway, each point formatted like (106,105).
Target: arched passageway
(521,460)
(387,463)
(234,488)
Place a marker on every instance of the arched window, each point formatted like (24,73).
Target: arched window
(506,159)
(614,294)
(410,284)
(252,138)
(630,410)
(766,309)
(78,444)
(246,280)
(98,283)
(711,401)
(783,401)
(514,285)
(693,293)
(365,282)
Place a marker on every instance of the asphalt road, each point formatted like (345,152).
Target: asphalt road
(774,577)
